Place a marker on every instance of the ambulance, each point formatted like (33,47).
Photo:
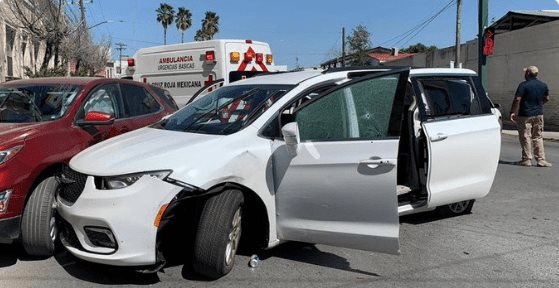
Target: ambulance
(184,69)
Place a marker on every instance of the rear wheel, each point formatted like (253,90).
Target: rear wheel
(218,235)
(38,226)
(455,209)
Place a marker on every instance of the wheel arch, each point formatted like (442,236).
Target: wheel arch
(46,172)
(183,215)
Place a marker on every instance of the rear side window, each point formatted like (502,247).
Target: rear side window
(137,101)
(450,96)
(166,96)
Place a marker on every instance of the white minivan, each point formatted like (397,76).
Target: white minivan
(329,157)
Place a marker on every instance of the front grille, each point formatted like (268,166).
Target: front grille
(71,185)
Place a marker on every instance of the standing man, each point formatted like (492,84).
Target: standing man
(530,97)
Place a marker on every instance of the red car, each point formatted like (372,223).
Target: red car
(43,123)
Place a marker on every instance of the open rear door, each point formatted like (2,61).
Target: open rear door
(337,186)
(463,138)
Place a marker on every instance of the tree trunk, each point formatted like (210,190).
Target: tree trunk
(164,36)
(47,56)
(182,37)
(56,54)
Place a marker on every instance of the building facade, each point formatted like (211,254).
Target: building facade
(18,49)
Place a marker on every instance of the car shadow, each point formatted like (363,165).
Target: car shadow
(103,274)
(309,254)
(10,254)
(515,163)
(426,217)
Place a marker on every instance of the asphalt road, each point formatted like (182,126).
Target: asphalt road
(510,240)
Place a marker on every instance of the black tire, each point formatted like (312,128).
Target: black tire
(456,209)
(216,227)
(38,225)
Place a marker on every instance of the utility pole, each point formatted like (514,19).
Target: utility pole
(458,30)
(82,12)
(343,46)
(482,24)
(120,47)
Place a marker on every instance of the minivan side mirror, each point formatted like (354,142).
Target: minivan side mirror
(96,118)
(290,132)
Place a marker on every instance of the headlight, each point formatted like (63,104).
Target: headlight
(8,154)
(123,181)
(4,199)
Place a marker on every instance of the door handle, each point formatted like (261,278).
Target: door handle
(375,166)
(438,137)
(374,163)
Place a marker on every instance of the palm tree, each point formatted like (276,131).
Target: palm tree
(165,15)
(210,26)
(200,36)
(183,21)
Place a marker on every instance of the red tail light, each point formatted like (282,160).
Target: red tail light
(131,62)
(210,56)
(259,57)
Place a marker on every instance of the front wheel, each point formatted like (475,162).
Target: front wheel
(38,226)
(456,209)
(218,235)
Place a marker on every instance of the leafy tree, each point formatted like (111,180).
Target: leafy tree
(210,27)
(165,16)
(419,48)
(45,21)
(359,42)
(183,20)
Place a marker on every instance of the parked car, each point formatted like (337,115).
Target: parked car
(329,158)
(43,123)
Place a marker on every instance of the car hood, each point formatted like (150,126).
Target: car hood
(15,132)
(146,149)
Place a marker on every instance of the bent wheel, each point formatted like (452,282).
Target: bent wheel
(218,234)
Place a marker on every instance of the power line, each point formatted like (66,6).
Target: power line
(411,33)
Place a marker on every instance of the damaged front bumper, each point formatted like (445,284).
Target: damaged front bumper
(124,216)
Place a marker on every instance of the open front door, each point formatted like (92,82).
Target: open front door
(337,186)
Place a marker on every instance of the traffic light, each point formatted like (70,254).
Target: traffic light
(488,43)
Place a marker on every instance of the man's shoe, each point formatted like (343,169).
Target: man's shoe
(543,163)
(526,163)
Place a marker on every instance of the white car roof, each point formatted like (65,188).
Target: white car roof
(289,78)
(294,78)
(441,71)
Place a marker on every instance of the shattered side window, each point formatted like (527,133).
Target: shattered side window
(358,111)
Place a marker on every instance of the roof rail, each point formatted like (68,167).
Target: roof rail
(353,68)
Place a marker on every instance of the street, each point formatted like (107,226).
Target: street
(511,239)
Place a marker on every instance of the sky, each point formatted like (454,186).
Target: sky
(301,33)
